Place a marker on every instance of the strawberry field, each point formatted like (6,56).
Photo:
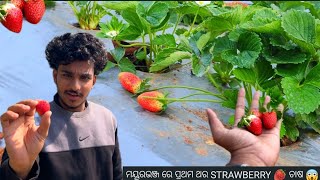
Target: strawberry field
(197,55)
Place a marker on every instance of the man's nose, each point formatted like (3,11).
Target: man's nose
(75,84)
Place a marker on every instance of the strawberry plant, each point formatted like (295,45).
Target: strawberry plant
(88,13)
(272,48)
(149,22)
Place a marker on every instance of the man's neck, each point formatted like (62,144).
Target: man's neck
(56,99)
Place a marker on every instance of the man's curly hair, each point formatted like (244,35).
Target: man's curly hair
(68,48)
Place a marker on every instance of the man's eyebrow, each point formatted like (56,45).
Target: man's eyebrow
(66,71)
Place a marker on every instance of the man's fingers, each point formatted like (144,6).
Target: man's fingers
(266,101)
(44,124)
(255,101)
(239,112)
(214,122)
(7,117)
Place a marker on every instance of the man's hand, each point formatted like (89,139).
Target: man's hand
(24,140)
(245,147)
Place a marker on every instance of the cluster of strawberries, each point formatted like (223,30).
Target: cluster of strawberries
(11,14)
(257,120)
(151,100)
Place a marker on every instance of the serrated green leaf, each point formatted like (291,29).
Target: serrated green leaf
(108,66)
(248,49)
(312,120)
(198,68)
(165,40)
(217,24)
(130,33)
(246,75)
(153,14)
(223,44)
(313,77)
(303,98)
(126,65)
(231,98)
(120,5)
(168,60)
(117,53)
(288,70)
(283,56)
(133,19)
(264,72)
(282,42)
(203,40)
(282,130)
(300,27)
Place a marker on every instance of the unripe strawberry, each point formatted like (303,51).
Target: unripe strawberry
(152,105)
(252,123)
(42,107)
(33,10)
(269,119)
(129,81)
(13,18)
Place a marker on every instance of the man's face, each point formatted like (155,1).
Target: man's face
(74,83)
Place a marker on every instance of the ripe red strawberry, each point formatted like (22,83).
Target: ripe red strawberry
(152,105)
(18,3)
(42,107)
(257,113)
(33,10)
(252,123)
(269,119)
(279,175)
(13,18)
(129,81)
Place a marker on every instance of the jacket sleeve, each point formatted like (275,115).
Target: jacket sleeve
(116,160)
(7,173)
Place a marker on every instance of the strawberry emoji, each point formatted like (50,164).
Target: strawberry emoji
(13,18)
(252,123)
(129,81)
(279,175)
(33,10)
(269,119)
(152,105)
(42,107)
(18,3)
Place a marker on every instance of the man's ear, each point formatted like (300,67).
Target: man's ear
(94,79)
(55,74)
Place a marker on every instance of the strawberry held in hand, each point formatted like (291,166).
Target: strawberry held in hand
(129,81)
(18,3)
(152,105)
(269,119)
(33,10)
(252,123)
(13,18)
(42,107)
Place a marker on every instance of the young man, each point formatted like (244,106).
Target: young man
(77,139)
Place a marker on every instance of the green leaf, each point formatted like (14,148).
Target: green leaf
(282,130)
(126,65)
(180,31)
(285,56)
(313,77)
(282,42)
(246,75)
(312,120)
(264,72)
(130,33)
(223,44)
(291,131)
(248,49)
(166,58)
(117,54)
(296,70)
(165,40)
(303,98)
(264,21)
(198,68)
(203,40)
(231,95)
(108,66)
(133,19)
(120,5)
(153,14)
(300,27)
(217,24)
